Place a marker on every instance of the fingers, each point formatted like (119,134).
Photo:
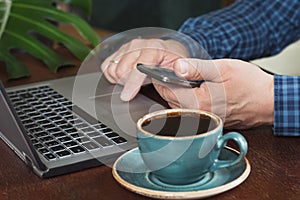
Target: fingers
(195,98)
(117,67)
(196,69)
(120,67)
(133,84)
(209,97)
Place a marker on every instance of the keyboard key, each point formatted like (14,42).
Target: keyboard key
(27,121)
(48,126)
(75,121)
(38,117)
(60,109)
(67,113)
(35,130)
(112,135)
(29,110)
(26,95)
(87,129)
(41,95)
(46,110)
(99,126)
(75,135)
(34,141)
(57,148)
(103,141)
(61,100)
(46,139)
(21,91)
(50,156)
(43,150)
(106,130)
(64,139)
(11,95)
(39,107)
(59,134)
(94,134)
(63,153)
(53,116)
(119,140)
(30,136)
(24,107)
(81,125)
(29,126)
(41,134)
(38,146)
(69,117)
(44,87)
(60,121)
(83,139)
(57,96)
(71,130)
(51,143)
(66,126)
(68,103)
(54,130)
(19,103)
(56,105)
(44,121)
(70,144)
(90,145)
(33,114)
(77,149)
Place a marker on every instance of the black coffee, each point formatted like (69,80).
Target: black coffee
(180,125)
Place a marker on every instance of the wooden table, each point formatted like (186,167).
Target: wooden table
(275,164)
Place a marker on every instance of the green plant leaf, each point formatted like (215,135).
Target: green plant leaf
(4,14)
(32,12)
(23,21)
(14,68)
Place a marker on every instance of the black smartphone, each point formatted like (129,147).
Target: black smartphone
(167,76)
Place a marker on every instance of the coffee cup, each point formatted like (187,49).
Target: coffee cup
(181,146)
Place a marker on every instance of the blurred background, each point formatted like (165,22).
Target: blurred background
(120,15)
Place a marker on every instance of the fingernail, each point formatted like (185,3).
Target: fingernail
(125,96)
(183,67)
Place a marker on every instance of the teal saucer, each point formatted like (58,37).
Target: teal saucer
(129,170)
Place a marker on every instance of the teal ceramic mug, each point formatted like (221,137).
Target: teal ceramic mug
(180,146)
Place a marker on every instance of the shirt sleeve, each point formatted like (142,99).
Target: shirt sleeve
(286,105)
(246,29)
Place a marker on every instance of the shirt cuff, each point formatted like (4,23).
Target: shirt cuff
(286,105)
(193,47)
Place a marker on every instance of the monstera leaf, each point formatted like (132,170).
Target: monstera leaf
(23,21)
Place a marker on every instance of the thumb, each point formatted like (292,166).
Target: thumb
(196,69)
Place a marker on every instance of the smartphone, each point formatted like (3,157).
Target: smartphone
(167,76)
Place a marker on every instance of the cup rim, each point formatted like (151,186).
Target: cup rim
(179,110)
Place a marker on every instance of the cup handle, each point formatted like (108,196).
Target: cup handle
(243,147)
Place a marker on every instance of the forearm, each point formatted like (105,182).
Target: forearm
(247,29)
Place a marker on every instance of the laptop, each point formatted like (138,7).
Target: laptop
(70,124)
(74,123)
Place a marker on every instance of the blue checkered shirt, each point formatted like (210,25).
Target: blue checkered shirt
(250,29)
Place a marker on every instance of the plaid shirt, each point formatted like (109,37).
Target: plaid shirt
(250,29)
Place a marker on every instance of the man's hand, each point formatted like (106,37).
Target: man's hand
(120,67)
(239,92)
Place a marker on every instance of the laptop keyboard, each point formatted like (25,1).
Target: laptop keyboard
(58,128)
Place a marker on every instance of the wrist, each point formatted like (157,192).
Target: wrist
(270,101)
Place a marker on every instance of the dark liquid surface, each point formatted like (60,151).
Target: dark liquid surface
(186,125)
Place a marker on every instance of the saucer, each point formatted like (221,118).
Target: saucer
(130,171)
